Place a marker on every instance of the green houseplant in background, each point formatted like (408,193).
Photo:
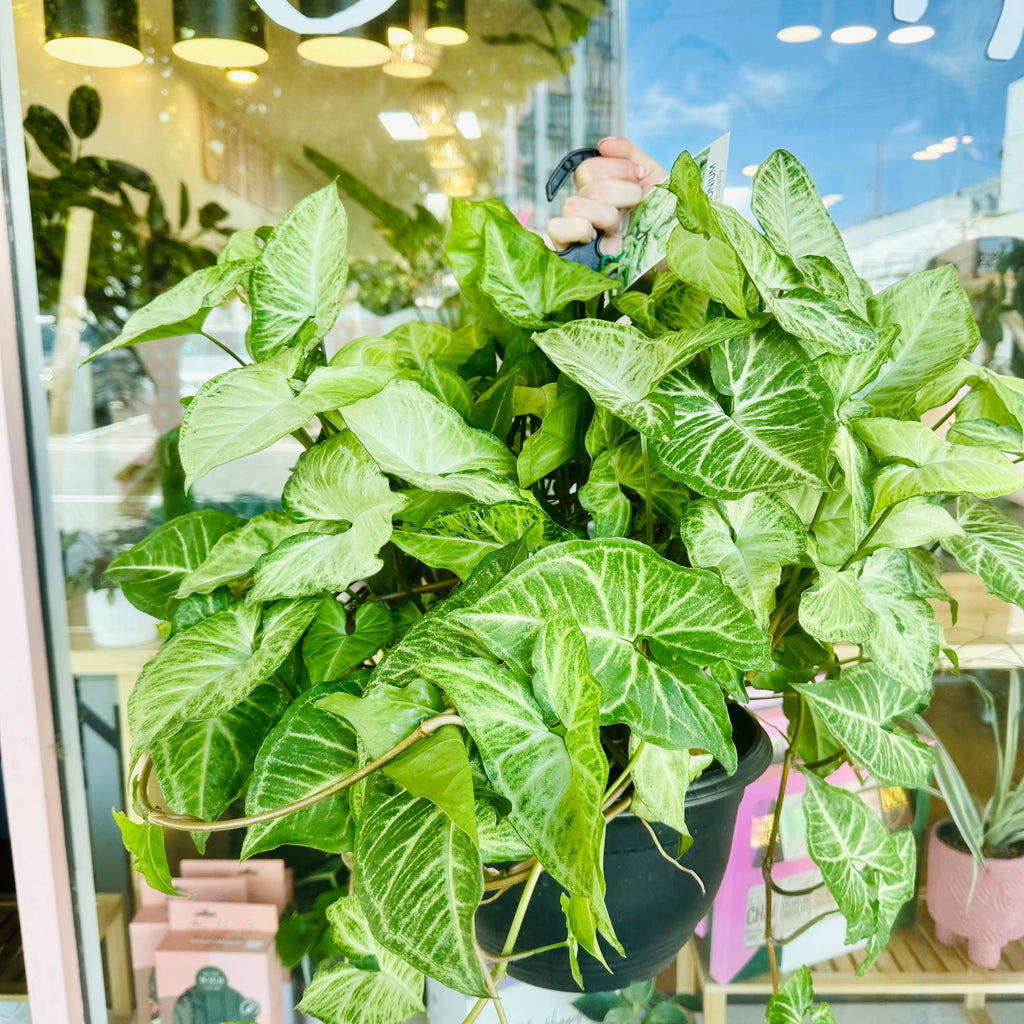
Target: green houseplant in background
(606,530)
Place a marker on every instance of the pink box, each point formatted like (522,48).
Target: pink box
(218,962)
(145,932)
(269,881)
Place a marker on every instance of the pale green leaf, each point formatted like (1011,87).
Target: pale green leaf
(992,548)
(987,434)
(746,541)
(182,309)
(145,843)
(234,555)
(560,437)
(770,272)
(458,540)
(846,374)
(344,993)
(710,265)
(775,434)
(796,221)
(329,650)
(795,1000)
(300,274)
(308,750)
(937,331)
(913,523)
(836,608)
(419,879)
(661,778)
(857,708)
(151,572)
(209,668)
(868,869)
(448,386)
(602,496)
(821,325)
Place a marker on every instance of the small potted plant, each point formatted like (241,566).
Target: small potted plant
(976,856)
(527,571)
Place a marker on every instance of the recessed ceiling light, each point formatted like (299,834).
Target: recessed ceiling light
(967,139)
(911,34)
(798,34)
(401,125)
(467,123)
(945,146)
(750,170)
(927,154)
(243,76)
(832,198)
(850,34)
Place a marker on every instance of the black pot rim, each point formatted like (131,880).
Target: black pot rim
(754,755)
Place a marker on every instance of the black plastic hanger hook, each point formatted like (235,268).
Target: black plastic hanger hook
(587,253)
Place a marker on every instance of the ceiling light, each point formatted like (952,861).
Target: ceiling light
(458,184)
(398,18)
(99,35)
(416,58)
(850,34)
(446,22)
(226,34)
(946,146)
(242,76)
(468,125)
(445,154)
(363,46)
(433,106)
(927,154)
(750,170)
(911,34)
(401,125)
(796,21)
(832,198)
(967,139)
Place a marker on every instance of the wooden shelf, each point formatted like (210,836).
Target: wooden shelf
(914,964)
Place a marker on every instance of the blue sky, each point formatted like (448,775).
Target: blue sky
(697,70)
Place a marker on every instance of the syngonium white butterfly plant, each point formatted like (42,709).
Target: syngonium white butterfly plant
(522,568)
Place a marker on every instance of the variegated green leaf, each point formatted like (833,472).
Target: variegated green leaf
(318,563)
(203,766)
(937,330)
(182,309)
(846,374)
(555,805)
(987,434)
(710,265)
(928,465)
(458,540)
(337,480)
(209,668)
(234,555)
(661,778)
(992,548)
(821,325)
(836,609)
(619,593)
(602,496)
(300,274)
(329,650)
(775,435)
(868,869)
(746,541)
(771,272)
(247,409)
(857,708)
(448,386)
(913,523)
(907,637)
(151,572)
(796,221)
(145,843)
(308,750)
(415,436)
(792,1003)
(419,879)
(348,993)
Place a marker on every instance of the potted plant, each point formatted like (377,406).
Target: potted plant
(527,572)
(976,856)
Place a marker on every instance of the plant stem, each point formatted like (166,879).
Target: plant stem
(862,546)
(221,345)
(806,926)
(615,789)
(513,957)
(949,412)
(648,493)
(303,438)
(188,823)
(773,839)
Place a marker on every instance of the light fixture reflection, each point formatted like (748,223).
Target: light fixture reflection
(459,184)
(433,106)
(241,76)
(445,154)
(94,33)
(798,34)
(446,22)
(850,34)
(911,34)
(927,154)
(416,58)
(226,34)
(797,21)
(363,46)
(750,170)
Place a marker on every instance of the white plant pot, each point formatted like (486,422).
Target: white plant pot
(115,621)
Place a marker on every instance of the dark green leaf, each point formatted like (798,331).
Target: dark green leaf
(50,134)
(84,111)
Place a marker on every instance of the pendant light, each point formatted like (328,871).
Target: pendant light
(445,154)
(363,46)
(446,22)
(97,33)
(399,17)
(415,58)
(433,107)
(855,22)
(458,184)
(221,34)
(799,21)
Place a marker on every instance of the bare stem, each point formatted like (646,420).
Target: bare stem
(661,849)
(189,823)
(616,789)
(648,493)
(862,546)
(221,345)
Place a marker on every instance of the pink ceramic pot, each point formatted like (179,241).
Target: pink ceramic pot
(995,914)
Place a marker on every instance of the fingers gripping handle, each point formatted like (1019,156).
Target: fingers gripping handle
(587,253)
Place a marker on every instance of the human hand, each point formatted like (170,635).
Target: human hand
(607,188)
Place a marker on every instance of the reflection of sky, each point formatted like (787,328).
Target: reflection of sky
(698,70)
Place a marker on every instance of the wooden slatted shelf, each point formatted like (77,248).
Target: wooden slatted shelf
(914,964)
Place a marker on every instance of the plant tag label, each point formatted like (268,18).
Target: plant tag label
(646,241)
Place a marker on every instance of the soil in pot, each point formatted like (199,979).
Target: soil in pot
(994,913)
(653,906)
